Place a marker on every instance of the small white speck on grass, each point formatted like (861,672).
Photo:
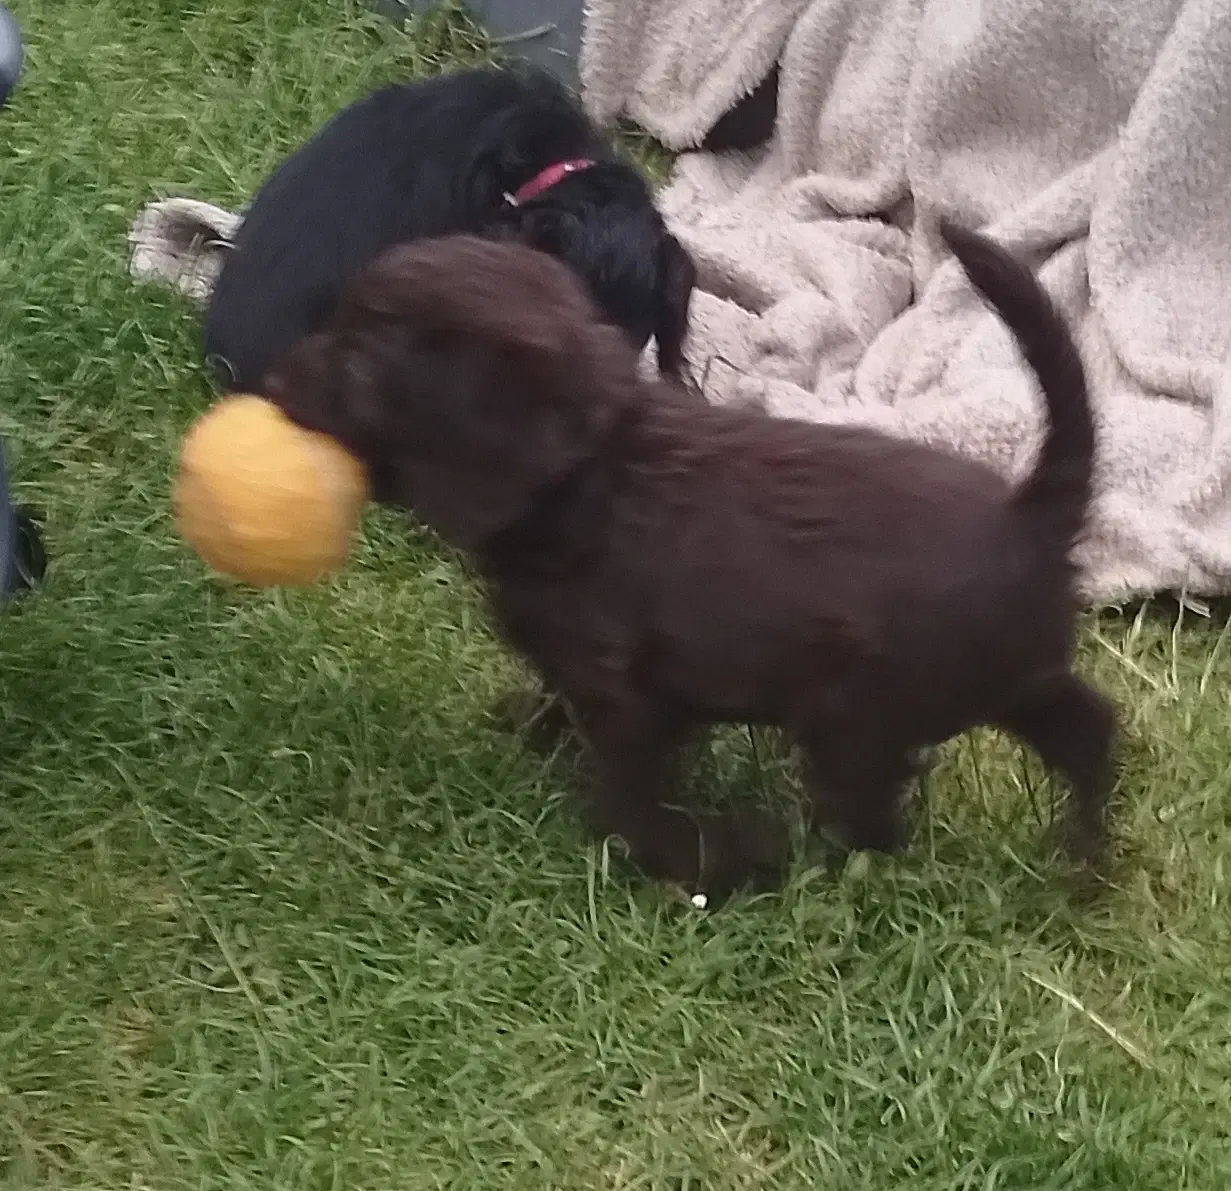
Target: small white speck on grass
(699,901)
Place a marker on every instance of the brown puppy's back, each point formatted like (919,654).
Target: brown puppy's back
(795,553)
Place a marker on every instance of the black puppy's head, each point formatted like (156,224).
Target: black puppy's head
(469,376)
(601,221)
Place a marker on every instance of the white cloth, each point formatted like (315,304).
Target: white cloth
(1094,135)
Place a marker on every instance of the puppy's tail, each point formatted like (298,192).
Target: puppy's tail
(1057,491)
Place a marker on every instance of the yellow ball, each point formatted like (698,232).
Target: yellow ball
(263,500)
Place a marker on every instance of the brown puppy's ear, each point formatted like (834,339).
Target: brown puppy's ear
(327,382)
(520,428)
(677,276)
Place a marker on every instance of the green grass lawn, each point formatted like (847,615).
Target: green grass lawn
(279,908)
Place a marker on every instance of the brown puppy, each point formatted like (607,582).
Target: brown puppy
(667,566)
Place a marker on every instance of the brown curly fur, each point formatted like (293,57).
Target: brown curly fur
(666,565)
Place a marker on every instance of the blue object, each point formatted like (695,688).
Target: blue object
(11,53)
(8,533)
(22,560)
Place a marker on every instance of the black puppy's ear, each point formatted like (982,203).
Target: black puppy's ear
(677,276)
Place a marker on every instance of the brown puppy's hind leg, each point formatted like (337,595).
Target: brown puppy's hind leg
(1072,728)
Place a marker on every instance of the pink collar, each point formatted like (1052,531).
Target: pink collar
(546,179)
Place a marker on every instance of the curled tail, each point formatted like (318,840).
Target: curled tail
(1057,491)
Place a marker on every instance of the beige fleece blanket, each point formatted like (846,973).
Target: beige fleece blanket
(1094,134)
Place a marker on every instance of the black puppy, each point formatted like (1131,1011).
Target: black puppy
(501,153)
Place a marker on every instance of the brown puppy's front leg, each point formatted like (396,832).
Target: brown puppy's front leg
(856,784)
(632,797)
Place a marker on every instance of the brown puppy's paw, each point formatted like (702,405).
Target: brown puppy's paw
(868,833)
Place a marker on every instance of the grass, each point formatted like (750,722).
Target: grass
(279,909)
